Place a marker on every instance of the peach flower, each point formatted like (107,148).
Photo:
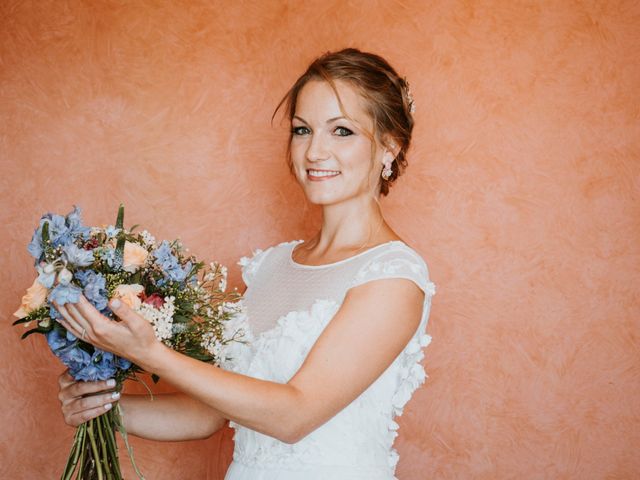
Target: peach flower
(129,294)
(34,298)
(134,257)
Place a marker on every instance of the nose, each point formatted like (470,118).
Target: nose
(316,150)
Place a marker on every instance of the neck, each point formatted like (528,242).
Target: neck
(348,226)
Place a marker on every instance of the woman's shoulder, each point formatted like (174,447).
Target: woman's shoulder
(251,263)
(395,259)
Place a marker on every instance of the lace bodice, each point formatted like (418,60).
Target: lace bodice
(287,306)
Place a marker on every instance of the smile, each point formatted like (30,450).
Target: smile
(321,174)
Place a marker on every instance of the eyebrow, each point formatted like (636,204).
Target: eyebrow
(328,121)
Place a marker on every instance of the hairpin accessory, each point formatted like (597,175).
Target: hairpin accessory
(412,103)
(386,171)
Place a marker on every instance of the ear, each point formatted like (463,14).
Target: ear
(391,150)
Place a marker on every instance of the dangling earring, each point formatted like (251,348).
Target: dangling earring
(386,171)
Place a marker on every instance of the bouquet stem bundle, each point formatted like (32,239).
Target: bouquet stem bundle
(94,453)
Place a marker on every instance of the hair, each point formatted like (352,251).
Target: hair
(386,95)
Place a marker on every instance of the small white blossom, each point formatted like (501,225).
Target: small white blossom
(161,318)
(148,239)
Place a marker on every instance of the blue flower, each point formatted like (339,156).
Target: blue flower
(75,224)
(74,357)
(169,263)
(164,257)
(111,231)
(54,313)
(95,287)
(55,340)
(123,363)
(44,277)
(78,256)
(101,366)
(62,294)
(109,256)
(176,274)
(58,234)
(62,231)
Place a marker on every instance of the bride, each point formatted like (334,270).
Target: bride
(335,324)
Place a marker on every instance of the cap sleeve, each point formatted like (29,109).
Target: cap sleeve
(251,264)
(397,261)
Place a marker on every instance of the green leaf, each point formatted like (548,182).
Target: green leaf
(22,320)
(45,233)
(34,330)
(120,219)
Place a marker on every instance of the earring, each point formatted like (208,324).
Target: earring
(386,171)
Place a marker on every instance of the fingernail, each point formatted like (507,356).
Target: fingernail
(108,406)
(115,303)
(115,395)
(111,382)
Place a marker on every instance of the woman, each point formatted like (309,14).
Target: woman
(335,324)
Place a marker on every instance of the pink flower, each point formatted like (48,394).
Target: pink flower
(155,300)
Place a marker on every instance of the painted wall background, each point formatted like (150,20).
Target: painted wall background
(522,194)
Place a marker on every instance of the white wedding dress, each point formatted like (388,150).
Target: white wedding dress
(287,306)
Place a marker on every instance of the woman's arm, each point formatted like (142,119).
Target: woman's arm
(375,322)
(169,417)
(166,417)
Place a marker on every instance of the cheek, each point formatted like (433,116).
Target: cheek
(297,150)
(358,158)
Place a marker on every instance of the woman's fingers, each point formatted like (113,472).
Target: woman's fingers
(79,319)
(75,418)
(69,322)
(77,390)
(82,401)
(65,379)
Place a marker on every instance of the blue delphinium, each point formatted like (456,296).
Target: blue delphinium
(99,365)
(75,224)
(95,287)
(62,231)
(62,294)
(46,275)
(55,340)
(169,263)
(111,231)
(109,256)
(78,256)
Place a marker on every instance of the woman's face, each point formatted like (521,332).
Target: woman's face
(331,155)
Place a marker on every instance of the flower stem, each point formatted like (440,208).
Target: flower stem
(94,448)
(76,449)
(102,447)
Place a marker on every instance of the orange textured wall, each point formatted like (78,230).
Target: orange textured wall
(522,194)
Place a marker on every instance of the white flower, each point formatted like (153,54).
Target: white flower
(161,318)
(148,239)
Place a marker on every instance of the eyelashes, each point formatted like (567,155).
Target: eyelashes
(341,131)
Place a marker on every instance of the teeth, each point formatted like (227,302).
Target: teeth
(322,173)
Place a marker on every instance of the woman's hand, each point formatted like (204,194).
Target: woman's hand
(82,401)
(132,338)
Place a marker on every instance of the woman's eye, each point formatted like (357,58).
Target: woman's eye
(299,130)
(343,132)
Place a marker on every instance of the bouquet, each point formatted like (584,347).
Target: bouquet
(185,301)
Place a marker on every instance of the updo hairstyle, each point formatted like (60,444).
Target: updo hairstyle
(386,95)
